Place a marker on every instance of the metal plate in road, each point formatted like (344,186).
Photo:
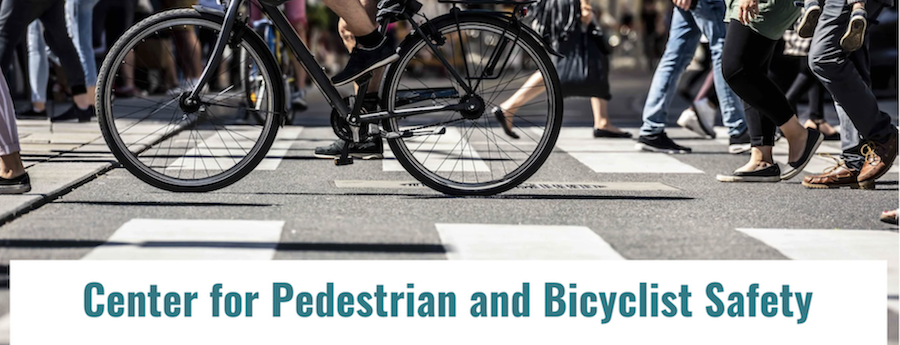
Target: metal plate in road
(612,186)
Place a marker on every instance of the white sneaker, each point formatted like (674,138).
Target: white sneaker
(690,121)
(707,115)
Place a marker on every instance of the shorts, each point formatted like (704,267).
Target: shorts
(295,10)
(167,4)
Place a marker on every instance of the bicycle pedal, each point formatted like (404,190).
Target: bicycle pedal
(343,161)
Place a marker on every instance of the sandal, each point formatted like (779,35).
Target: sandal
(889,217)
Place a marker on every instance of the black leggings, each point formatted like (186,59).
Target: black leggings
(15,15)
(808,83)
(745,64)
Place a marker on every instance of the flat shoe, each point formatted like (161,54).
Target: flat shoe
(602,133)
(502,119)
(770,173)
(813,140)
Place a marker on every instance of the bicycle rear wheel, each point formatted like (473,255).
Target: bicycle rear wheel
(469,153)
(177,145)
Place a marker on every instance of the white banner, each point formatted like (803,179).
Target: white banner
(448,302)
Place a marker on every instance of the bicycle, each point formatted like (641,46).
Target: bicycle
(435,108)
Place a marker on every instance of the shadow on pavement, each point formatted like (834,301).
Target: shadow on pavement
(281,246)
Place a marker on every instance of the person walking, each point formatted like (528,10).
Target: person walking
(568,16)
(15,15)
(79,21)
(13,177)
(796,50)
(868,137)
(689,21)
(753,32)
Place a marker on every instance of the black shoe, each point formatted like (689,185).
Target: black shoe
(813,140)
(74,113)
(32,114)
(16,185)
(369,149)
(660,143)
(501,118)
(739,143)
(602,133)
(364,60)
(770,173)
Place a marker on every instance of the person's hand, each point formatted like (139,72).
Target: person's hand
(587,12)
(747,10)
(682,4)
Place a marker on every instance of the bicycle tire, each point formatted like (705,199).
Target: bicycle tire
(130,160)
(535,160)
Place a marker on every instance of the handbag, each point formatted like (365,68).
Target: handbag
(583,71)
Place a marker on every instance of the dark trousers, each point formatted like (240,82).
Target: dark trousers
(15,15)
(847,77)
(745,64)
(806,82)
(112,18)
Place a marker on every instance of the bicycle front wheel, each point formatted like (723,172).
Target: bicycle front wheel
(180,145)
(512,80)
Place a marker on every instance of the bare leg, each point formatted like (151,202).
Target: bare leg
(189,53)
(601,117)
(38,106)
(528,91)
(355,15)
(796,136)
(11,166)
(760,157)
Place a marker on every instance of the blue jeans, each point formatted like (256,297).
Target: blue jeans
(684,36)
(79,21)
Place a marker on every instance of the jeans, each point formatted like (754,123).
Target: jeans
(684,36)
(79,21)
(847,78)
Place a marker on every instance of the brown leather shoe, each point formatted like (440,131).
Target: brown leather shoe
(836,177)
(879,158)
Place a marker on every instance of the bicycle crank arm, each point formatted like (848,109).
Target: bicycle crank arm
(409,134)
(384,115)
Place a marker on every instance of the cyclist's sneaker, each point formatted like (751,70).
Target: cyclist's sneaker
(739,143)
(364,60)
(75,113)
(298,101)
(809,19)
(369,149)
(15,185)
(660,143)
(856,31)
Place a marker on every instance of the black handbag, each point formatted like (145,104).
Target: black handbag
(583,71)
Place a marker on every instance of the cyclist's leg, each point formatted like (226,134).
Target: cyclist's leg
(370,52)
(350,40)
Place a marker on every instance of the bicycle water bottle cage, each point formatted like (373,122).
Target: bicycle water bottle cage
(397,9)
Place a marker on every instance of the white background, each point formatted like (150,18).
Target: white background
(47,305)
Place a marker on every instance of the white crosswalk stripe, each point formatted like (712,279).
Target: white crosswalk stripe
(617,155)
(155,239)
(838,245)
(444,153)
(523,242)
(218,150)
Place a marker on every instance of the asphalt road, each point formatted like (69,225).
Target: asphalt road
(677,212)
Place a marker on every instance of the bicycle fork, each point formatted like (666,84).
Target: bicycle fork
(218,50)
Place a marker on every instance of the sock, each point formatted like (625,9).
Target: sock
(372,40)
